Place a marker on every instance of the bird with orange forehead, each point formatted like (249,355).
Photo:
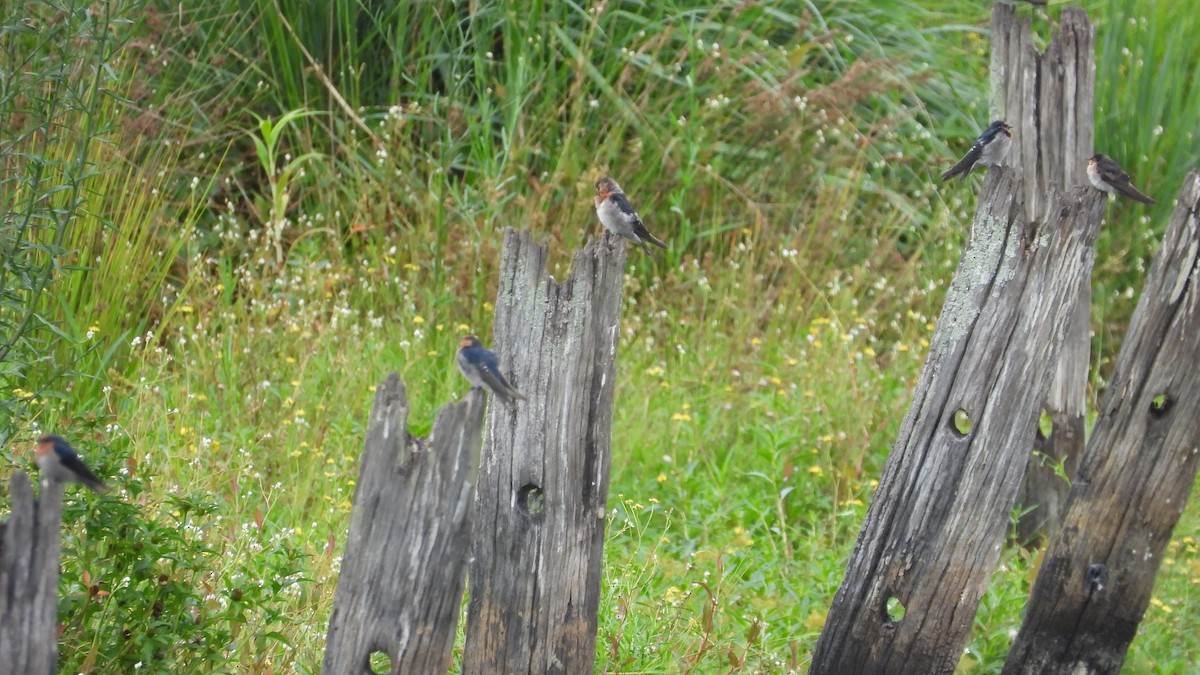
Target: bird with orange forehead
(989,149)
(59,462)
(482,369)
(617,215)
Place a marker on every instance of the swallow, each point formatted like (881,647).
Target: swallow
(1106,176)
(482,369)
(617,215)
(58,462)
(989,149)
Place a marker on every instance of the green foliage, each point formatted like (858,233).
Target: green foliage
(272,205)
(148,588)
(279,178)
(52,107)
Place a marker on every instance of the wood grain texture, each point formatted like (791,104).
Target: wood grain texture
(936,524)
(29,564)
(401,581)
(543,487)
(1049,98)
(1140,465)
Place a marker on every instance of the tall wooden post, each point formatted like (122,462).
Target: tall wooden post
(29,561)
(935,527)
(543,486)
(1095,581)
(400,587)
(1049,99)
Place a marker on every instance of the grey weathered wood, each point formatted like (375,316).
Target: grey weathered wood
(543,486)
(29,562)
(935,527)
(400,587)
(1140,465)
(1043,492)
(1049,99)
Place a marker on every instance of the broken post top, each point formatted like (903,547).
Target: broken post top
(535,577)
(409,538)
(1048,98)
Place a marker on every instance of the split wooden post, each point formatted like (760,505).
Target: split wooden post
(400,587)
(938,519)
(1098,573)
(29,562)
(1049,99)
(543,485)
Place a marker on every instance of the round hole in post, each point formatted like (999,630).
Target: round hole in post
(960,422)
(1097,577)
(531,499)
(380,662)
(894,609)
(1045,425)
(1159,405)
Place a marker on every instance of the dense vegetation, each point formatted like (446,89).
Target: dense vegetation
(223,222)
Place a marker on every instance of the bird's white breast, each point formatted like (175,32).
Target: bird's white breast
(1095,179)
(610,215)
(994,153)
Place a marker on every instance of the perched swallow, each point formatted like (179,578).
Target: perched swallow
(1106,176)
(58,462)
(482,369)
(617,215)
(989,149)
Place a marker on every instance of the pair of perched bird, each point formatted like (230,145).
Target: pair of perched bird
(993,145)
(616,214)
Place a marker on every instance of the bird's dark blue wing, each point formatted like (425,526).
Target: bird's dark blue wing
(489,372)
(488,361)
(626,209)
(72,461)
(639,228)
(965,164)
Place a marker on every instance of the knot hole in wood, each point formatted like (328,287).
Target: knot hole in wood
(531,499)
(960,422)
(379,662)
(1160,405)
(893,612)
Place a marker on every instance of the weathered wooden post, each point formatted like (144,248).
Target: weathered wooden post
(937,522)
(1095,581)
(1049,98)
(400,587)
(29,561)
(543,485)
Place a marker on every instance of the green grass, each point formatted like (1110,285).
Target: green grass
(282,236)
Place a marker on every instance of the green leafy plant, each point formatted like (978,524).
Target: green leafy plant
(52,104)
(279,178)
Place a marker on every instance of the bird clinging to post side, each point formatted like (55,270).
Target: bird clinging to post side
(1106,175)
(617,215)
(989,149)
(58,462)
(482,369)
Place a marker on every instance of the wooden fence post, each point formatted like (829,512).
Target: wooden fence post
(1095,581)
(1049,99)
(543,485)
(400,587)
(934,530)
(29,561)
